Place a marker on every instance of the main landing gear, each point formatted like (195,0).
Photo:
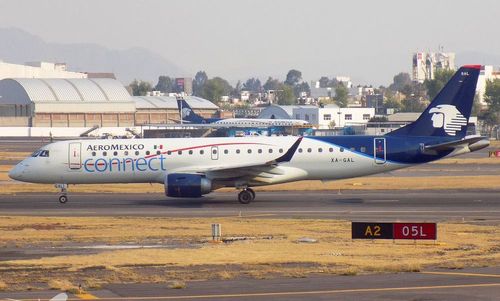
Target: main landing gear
(246,196)
(63,198)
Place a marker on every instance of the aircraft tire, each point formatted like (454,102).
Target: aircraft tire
(63,199)
(245,197)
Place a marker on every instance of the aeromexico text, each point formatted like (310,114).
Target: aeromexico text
(114,164)
(120,147)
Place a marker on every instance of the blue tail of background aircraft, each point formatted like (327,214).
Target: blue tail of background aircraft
(187,114)
(449,111)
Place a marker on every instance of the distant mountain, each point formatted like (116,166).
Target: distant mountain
(476,57)
(19,47)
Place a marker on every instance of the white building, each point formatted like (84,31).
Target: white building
(487,73)
(331,116)
(37,70)
(425,64)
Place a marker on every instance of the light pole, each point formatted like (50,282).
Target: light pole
(339,113)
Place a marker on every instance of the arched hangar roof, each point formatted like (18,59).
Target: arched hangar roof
(67,95)
(68,90)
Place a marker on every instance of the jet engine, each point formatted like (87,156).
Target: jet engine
(183,185)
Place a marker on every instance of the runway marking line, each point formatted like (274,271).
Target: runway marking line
(340,291)
(461,274)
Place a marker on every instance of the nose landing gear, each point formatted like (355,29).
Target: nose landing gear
(63,198)
(246,196)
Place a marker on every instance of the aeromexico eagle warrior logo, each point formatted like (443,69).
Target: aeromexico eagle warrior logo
(449,118)
(186,112)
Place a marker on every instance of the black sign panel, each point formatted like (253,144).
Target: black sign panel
(372,230)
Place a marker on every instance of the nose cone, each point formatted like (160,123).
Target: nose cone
(17,172)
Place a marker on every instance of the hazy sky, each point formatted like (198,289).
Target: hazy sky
(236,39)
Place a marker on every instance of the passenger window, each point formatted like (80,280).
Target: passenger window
(237,151)
(190,152)
(202,152)
(280,150)
(147,153)
(169,153)
(93,154)
(320,150)
(270,150)
(341,149)
(137,153)
(226,151)
(363,149)
(126,153)
(179,152)
(309,150)
(214,151)
(249,151)
(330,149)
(104,154)
(115,153)
(300,150)
(158,152)
(353,148)
(259,151)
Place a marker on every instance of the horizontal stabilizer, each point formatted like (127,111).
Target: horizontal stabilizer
(472,142)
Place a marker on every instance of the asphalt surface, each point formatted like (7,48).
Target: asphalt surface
(470,284)
(481,206)
(478,206)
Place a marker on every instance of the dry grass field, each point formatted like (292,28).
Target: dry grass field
(271,248)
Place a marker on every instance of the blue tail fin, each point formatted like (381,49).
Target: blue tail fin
(187,114)
(449,111)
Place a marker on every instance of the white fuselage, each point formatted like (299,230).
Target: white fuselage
(150,160)
(249,122)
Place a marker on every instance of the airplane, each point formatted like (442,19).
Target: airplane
(193,167)
(189,116)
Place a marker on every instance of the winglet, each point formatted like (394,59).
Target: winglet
(289,154)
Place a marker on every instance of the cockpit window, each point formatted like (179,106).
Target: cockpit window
(40,153)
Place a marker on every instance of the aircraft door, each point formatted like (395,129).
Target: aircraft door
(75,155)
(215,152)
(379,151)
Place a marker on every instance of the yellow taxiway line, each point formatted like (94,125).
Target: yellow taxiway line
(462,274)
(300,293)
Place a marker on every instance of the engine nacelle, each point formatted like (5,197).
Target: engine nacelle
(184,185)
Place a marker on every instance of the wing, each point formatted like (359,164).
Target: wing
(262,169)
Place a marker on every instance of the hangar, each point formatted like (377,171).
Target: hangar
(102,102)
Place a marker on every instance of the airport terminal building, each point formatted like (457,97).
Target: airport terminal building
(86,102)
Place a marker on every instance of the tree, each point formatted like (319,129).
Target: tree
(412,104)
(323,82)
(215,88)
(252,84)
(491,115)
(441,77)
(199,82)
(341,95)
(286,95)
(236,90)
(165,84)
(400,80)
(293,77)
(140,88)
(302,87)
(272,84)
